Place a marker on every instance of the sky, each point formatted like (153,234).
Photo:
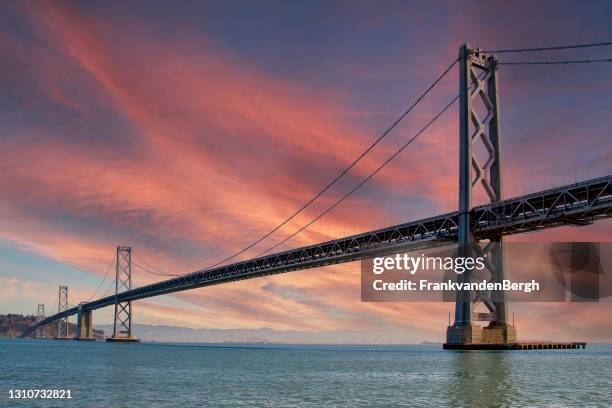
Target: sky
(187,130)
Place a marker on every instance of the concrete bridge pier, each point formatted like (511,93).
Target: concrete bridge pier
(85,326)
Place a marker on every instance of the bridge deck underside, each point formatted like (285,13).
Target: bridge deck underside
(577,204)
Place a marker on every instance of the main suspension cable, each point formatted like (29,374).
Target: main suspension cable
(343,172)
(365,180)
(142,268)
(105,276)
(335,204)
(585,61)
(559,47)
(108,288)
(160,272)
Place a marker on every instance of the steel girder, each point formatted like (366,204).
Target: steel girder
(40,316)
(576,204)
(62,306)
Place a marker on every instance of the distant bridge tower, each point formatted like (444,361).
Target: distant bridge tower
(479,167)
(122,328)
(62,306)
(40,316)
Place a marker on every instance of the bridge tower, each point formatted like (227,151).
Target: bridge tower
(62,306)
(480,132)
(122,328)
(40,316)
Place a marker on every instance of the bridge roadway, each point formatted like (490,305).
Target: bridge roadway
(577,204)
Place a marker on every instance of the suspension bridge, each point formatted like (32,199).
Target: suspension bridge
(578,204)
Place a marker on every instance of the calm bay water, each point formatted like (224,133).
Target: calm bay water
(197,375)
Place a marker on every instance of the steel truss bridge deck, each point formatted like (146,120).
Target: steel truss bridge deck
(576,204)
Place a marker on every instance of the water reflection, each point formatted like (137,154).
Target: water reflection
(481,379)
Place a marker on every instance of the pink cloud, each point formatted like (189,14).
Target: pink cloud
(215,152)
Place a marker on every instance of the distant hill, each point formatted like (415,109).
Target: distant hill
(261,336)
(12,325)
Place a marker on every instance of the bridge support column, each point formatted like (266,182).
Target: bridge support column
(40,316)
(85,325)
(62,306)
(122,328)
(479,165)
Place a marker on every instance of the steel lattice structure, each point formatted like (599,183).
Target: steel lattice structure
(480,171)
(577,204)
(479,133)
(62,309)
(122,326)
(40,316)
